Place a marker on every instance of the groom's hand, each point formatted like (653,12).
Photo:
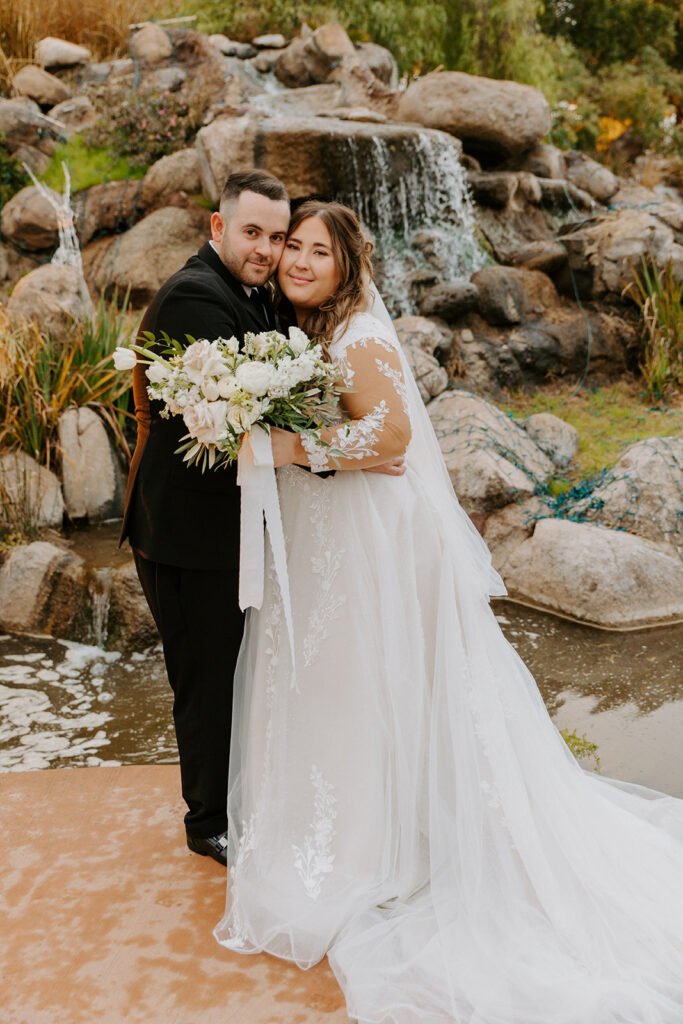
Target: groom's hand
(395,467)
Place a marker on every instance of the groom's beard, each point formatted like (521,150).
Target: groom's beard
(251,271)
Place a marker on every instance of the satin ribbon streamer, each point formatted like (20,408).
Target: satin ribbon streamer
(259,500)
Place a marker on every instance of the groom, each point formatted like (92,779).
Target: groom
(183,525)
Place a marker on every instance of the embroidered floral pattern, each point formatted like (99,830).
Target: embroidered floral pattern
(326,560)
(315,451)
(356,438)
(314,858)
(247,842)
(396,378)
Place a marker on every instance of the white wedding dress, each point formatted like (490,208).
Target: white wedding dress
(404,804)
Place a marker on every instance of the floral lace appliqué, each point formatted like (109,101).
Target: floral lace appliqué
(356,438)
(396,378)
(314,858)
(326,560)
(316,453)
(247,842)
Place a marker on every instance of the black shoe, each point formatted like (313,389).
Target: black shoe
(214,846)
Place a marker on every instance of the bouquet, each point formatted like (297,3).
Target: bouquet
(222,391)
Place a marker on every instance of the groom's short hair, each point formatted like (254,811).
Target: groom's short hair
(261,182)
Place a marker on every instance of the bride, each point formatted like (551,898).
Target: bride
(404,804)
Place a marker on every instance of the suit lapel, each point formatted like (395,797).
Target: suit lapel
(210,257)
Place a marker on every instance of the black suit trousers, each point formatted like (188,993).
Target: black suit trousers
(200,622)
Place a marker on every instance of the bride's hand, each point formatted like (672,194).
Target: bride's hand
(395,467)
(286,446)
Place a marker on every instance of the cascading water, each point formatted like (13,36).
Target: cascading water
(413,197)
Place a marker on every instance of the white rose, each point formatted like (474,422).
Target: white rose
(231,344)
(205,421)
(124,358)
(227,387)
(202,359)
(304,368)
(254,377)
(157,373)
(238,418)
(210,389)
(298,341)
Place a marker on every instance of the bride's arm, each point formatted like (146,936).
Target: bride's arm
(379,426)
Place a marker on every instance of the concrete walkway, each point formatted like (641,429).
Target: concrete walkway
(106,917)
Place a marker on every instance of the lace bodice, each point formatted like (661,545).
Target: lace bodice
(378,424)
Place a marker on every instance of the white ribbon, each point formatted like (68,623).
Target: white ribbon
(259,500)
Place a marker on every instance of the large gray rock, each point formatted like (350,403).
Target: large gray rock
(177,172)
(379,60)
(52,295)
(544,161)
(29,492)
(506,528)
(431,378)
(59,53)
(508,295)
(144,257)
(487,115)
(39,85)
(491,461)
(43,589)
(106,208)
(590,176)
(73,114)
(450,300)
(422,333)
(29,221)
(129,621)
(91,475)
(600,576)
(270,41)
(493,188)
(547,256)
(603,254)
(150,44)
(643,493)
(310,59)
(557,438)
(231,48)
(23,124)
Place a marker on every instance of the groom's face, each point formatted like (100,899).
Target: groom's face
(249,234)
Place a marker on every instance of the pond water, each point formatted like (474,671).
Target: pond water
(64,704)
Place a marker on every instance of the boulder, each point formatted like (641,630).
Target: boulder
(489,116)
(508,295)
(590,176)
(642,493)
(596,575)
(29,491)
(53,295)
(431,378)
(74,114)
(145,256)
(544,161)
(29,221)
(419,332)
(129,622)
(22,124)
(107,71)
(91,475)
(310,59)
(505,529)
(38,84)
(271,41)
(450,301)
(548,257)
(564,197)
(557,438)
(34,159)
(106,208)
(150,44)
(58,53)
(493,188)
(177,172)
(164,79)
(230,48)
(491,461)
(380,61)
(603,253)
(43,589)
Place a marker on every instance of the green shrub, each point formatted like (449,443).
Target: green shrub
(659,296)
(88,165)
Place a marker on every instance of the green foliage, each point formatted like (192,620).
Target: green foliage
(143,125)
(606,32)
(659,296)
(41,376)
(631,93)
(88,165)
(13,177)
(581,748)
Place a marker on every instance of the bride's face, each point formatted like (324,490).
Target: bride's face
(308,272)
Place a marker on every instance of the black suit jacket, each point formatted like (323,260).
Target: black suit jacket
(173,513)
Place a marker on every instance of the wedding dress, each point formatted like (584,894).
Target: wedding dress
(403,802)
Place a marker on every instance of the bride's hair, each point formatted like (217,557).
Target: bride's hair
(351,250)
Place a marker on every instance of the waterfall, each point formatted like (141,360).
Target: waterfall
(412,196)
(100,595)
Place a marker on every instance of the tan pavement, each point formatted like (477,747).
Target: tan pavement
(106,917)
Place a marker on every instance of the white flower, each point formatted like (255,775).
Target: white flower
(202,359)
(231,344)
(254,377)
(304,367)
(298,341)
(157,373)
(238,418)
(124,358)
(257,344)
(205,421)
(227,386)
(210,389)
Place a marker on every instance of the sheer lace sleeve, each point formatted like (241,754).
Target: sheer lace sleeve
(378,427)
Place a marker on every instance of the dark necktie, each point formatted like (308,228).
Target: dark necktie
(257,301)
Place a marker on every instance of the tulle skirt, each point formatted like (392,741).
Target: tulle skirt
(404,804)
